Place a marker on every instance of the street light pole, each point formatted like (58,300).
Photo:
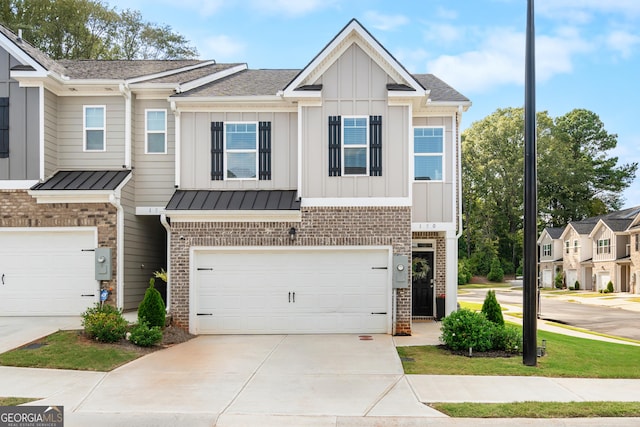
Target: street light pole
(530,285)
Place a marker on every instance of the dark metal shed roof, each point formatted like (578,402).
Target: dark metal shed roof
(216,200)
(84,180)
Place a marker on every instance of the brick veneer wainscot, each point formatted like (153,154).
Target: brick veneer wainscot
(19,209)
(320,226)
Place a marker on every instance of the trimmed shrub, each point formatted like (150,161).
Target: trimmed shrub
(610,287)
(491,308)
(145,336)
(465,328)
(464,274)
(576,286)
(152,308)
(496,274)
(558,281)
(508,338)
(104,323)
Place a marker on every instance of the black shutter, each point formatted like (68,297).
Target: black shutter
(264,151)
(375,145)
(217,151)
(335,146)
(4,128)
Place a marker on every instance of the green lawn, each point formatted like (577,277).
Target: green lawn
(540,409)
(15,401)
(485,285)
(69,350)
(475,306)
(566,357)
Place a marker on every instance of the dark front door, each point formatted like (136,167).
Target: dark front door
(422,291)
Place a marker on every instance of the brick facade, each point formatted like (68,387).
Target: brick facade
(19,209)
(320,226)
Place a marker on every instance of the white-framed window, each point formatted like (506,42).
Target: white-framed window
(567,245)
(604,246)
(241,150)
(355,145)
(94,128)
(155,124)
(575,246)
(428,151)
(546,250)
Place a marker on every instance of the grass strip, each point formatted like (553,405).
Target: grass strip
(539,409)
(15,401)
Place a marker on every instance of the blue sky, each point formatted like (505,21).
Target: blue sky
(587,51)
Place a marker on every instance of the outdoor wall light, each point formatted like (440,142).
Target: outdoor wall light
(292,234)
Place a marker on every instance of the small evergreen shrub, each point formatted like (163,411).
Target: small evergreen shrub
(610,287)
(104,323)
(152,308)
(576,286)
(465,328)
(491,309)
(496,274)
(508,338)
(145,336)
(519,270)
(558,281)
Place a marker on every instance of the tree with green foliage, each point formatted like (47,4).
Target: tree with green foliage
(496,274)
(491,308)
(90,29)
(152,310)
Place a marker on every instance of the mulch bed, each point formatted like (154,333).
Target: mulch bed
(171,336)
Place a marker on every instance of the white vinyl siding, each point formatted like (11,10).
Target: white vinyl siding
(94,128)
(155,131)
(428,148)
(355,145)
(241,150)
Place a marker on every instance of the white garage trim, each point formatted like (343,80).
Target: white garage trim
(195,251)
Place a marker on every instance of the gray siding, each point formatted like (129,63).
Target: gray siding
(196,151)
(433,201)
(355,85)
(144,249)
(70,142)
(155,173)
(50,133)
(23,162)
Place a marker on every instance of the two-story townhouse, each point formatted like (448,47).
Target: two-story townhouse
(86,146)
(634,238)
(577,254)
(550,250)
(303,194)
(611,242)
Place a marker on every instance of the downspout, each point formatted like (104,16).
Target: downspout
(41,141)
(114,199)
(178,140)
(165,224)
(126,93)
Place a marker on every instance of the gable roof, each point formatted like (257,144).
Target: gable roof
(439,90)
(26,53)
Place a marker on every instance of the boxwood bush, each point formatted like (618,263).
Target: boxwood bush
(104,323)
(145,336)
(465,328)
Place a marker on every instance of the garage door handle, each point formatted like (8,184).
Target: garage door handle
(88,295)
(3,278)
(294,297)
(379,312)
(289,297)
(204,314)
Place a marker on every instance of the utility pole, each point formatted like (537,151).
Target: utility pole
(530,283)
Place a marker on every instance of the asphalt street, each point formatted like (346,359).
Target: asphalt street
(607,320)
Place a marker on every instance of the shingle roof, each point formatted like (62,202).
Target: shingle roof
(440,91)
(121,69)
(246,83)
(555,232)
(214,200)
(38,56)
(584,227)
(197,73)
(84,180)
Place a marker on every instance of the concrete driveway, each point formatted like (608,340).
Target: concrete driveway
(17,331)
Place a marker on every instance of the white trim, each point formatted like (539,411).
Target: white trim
(241,100)
(41,171)
(49,229)
(442,155)
(170,72)
(344,146)
(451,272)
(13,49)
(234,216)
(147,131)
(299,142)
(7,184)
(150,210)
(210,78)
(165,224)
(410,171)
(114,199)
(433,226)
(70,196)
(104,128)
(355,202)
(178,143)
(126,93)
(454,177)
(193,250)
(241,151)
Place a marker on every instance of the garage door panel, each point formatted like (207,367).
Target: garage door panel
(253,291)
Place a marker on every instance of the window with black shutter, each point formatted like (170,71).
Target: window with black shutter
(4,128)
(240,150)
(217,151)
(264,143)
(335,146)
(375,145)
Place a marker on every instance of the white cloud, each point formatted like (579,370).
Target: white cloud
(444,33)
(500,60)
(384,22)
(583,10)
(448,14)
(623,42)
(205,8)
(291,7)
(412,59)
(222,48)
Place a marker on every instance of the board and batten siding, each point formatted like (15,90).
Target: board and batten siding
(355,85)
(155,173)
(50,133)
(433,200)
(601,234)
(23,162)
(71,154)
(195,166)
(144,248)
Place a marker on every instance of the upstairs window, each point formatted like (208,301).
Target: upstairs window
(4,128)
(240,150)
(546,250)
(428,149)
(355,144)
(156,131)
(604,246)
(575,246)
(566,246)
(94,128)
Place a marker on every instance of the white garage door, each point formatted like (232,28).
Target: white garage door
(547,279)
(47,272)
(291,291)
(572,277)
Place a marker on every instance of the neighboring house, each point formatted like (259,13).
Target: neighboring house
(598,250)
(281,201)
(551,252)
(634,238)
